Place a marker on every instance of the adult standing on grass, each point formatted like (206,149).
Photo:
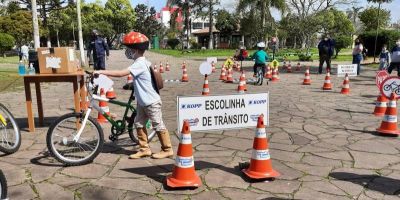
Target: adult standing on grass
(25,54)
(100,50)
(395,56)
(325,50)
(357,54)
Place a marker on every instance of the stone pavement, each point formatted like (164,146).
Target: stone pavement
(323,144)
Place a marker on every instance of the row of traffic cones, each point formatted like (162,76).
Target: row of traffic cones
(184,174)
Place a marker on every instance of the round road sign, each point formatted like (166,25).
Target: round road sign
(205,68)
(389,85)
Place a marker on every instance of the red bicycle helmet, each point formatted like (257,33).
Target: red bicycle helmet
(136,40)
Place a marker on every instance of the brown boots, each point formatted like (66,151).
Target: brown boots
(166,147)
(144,150)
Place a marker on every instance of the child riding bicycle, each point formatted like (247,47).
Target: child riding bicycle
(260,58)
(148,100)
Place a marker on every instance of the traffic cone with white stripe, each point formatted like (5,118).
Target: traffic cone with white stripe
(307,79)
(268,73)
(104,108)
(284,65)
(289,68)
(185,77)
(275,77)
(260,163)
(206,89)
(242,84)
(389,122)
(327,83)
(155,68)
(223,73)
(346,85)
(161,68)
(229,78)
(381,105)
(167,66)
(110,94)
(184,174)
(213,67)
(239,67)
(298,67)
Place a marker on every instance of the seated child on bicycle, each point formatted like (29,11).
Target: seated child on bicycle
(148,100)
(260,57)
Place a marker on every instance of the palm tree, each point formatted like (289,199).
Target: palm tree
(264,10)
(377,27)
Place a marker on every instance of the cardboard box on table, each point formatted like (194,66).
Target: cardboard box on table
(57,60)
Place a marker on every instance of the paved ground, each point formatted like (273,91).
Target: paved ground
(323,144)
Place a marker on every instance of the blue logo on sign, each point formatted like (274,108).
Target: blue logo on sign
(257,102)
(254,117)
(189,106)
(193,122)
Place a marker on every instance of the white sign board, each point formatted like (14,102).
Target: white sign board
(351,70)
(211,59)
(222,112)
(103,82)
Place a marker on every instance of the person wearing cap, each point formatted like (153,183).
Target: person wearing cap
(395,56)
(260,57)
(325,50)
(148,100)
(100,50)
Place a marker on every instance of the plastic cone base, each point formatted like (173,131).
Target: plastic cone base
(305,83)
(258,175)
(345,92)
(383,131)
(175,183)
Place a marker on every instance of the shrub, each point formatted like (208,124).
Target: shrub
(6,42)
(388,37)
(304,57)
(173,43)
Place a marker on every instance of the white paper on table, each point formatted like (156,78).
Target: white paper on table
(53,62)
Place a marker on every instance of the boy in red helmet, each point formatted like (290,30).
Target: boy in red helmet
(148,100)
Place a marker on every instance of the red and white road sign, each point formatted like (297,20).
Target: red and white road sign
(389,85)
(380,77)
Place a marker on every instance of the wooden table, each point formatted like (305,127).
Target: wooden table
(78,92)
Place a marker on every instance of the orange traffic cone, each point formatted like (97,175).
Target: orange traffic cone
(155,68)
(184,65)
(380,106)
(327,82)
(268,73)
(275,77)
(389,122)
(206,89)
(185,77)
(239,67)
(229,78)
(184,174)
(213,67)
(298,67)
(289,68)
(104,107)
(167,66)
(161,68)
(110,94)
(307,79)
(242,84)
(223,73)
(260,163)
(346,85)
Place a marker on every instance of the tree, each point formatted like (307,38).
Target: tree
(146,22)
(6,42)
(226,23)
(121,16)
(335,23)
(342,42)
(259,10)
(369,18)
(18,25)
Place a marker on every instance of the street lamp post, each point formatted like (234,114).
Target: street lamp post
(377,31)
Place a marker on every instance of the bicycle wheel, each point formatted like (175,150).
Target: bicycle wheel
(61,144)
(10,136)
(260,76)
(3,186)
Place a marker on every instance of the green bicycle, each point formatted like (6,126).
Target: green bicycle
(77,138)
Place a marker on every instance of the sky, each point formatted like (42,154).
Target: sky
(393,7)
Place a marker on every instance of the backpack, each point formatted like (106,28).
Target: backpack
(156,80)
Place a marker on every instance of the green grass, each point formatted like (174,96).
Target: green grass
(10,60)
(10,80)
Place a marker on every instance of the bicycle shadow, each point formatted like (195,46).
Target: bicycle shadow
(23,122)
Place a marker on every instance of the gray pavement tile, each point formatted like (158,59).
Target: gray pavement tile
(373,160)
(95,192)
(51,191)
(23,191)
